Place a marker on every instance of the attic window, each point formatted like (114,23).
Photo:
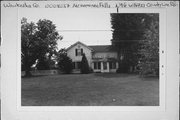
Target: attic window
(79,52)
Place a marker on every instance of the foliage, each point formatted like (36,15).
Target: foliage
(150,47)
(64,62)
(127,30)
(43,64)
(28,46)
(128,26)
(84,65)
(37,41)
(130,31)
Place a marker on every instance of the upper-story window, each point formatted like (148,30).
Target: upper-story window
(78,52)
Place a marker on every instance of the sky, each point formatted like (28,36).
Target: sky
(90,26)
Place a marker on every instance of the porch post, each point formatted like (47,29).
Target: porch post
(107,66)
(102,67)
(92,65)
(117,65)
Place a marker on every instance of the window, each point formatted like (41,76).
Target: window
(78,52)
(105,65)
(112,65)
(97,65)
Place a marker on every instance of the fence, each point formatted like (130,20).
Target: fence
(42,72)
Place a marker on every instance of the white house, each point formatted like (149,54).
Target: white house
(100,57)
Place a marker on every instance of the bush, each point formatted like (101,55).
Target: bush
(148,68)
(65,64)
(90,70)
(43,64)
(84,65)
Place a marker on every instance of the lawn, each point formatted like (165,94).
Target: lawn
(97,89)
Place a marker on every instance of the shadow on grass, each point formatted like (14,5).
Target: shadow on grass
(149,78)
(33,76)
(112,75)
(60,74)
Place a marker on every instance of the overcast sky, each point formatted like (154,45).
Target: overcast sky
(90,26)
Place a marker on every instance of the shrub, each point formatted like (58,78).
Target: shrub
(43,64)
(65,63)
(84,65)
(90,70)
(148,68)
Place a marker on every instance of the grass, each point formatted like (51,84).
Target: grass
(95,89)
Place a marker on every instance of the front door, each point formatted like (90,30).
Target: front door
(105,67)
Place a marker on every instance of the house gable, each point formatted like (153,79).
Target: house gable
(75,52)
(79,43)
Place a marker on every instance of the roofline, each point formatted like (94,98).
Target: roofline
(97,45)
(79,43)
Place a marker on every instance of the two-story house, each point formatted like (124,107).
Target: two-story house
(100,57)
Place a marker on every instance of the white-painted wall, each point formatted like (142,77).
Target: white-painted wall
(71,53)
(105,55)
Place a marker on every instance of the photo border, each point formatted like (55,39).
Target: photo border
(75,111)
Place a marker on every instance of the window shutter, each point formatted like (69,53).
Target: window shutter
(76,52)
(81,51)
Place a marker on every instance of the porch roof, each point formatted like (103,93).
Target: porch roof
(104,59)
(101,48)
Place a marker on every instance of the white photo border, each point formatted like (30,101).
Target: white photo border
(166,45)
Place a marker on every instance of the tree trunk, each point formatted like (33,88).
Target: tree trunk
(27,69)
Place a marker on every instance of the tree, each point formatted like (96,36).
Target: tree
(128,31)
(28,51)
(84,65)
(64,62)
(149,50)
(37,40)
(46,63)
(43,64)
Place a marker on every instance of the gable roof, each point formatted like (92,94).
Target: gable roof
(78,42)
(94,48)
(101,48)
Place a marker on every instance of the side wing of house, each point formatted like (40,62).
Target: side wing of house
(104,61)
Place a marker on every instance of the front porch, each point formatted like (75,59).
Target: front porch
(104,66)
(98,65)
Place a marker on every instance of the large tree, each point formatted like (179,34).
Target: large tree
(37,41)
(149,50)
(128,32)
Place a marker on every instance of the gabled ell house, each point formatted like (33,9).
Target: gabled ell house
(100,57)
